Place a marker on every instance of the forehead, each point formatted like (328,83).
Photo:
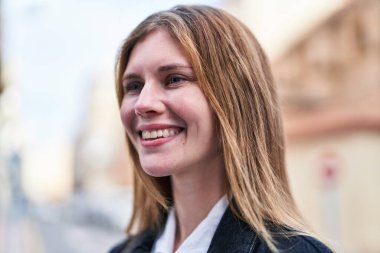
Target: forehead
(158,46)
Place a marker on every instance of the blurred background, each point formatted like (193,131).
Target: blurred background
(64,175)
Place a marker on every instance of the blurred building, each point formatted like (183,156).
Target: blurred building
(101,158)
(10,163)
(3,185)
(13,202)
(330,86)
(327,67)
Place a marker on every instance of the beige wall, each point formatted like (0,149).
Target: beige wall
(346,210)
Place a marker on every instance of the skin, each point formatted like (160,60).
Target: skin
(161,91)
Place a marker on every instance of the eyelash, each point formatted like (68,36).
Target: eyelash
(136,86)
(133,86)
(169,80)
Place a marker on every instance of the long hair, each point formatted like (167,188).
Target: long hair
(234,75)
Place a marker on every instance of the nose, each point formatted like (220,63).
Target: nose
(149,102)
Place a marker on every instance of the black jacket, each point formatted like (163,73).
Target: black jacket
(232,235)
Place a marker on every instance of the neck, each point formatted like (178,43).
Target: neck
(194,196)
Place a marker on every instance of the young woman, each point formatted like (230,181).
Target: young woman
(204,130)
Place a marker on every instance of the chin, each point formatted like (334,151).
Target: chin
(156,171)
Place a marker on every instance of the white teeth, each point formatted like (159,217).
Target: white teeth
(146,135)
(159,133)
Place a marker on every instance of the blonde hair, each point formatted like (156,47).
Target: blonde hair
(233,72)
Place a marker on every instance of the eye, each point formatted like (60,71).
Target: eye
(175,79)
(132,87)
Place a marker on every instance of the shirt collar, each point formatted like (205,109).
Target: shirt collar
(199,240)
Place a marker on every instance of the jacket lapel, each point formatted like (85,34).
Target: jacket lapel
(232,235)
(142,243)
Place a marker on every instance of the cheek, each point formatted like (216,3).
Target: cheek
(206,118)
(127,114)
(197,111)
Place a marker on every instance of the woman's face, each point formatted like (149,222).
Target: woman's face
(166,115)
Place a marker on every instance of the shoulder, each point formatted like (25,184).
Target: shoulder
(234,235)
(142,241)
(296,244)
(118,248)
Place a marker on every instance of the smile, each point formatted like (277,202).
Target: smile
(159,133)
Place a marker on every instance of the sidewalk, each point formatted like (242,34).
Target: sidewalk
(85,223)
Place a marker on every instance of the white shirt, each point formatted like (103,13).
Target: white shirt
(199,240)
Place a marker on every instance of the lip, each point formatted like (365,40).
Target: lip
(159,141)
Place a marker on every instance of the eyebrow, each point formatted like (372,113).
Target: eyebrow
(173,66)
(164,68)
(130,76)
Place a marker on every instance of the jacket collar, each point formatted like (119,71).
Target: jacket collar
(230,235)
(142,243)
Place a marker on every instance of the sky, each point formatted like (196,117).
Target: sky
(52,49)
